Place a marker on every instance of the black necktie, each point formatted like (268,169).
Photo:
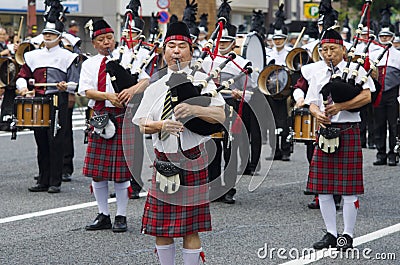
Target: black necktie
(166,114)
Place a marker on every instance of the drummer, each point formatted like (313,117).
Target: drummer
(59,67)
(278,56)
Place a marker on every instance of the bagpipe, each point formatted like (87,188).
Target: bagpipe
(184,91)
(341,89)
(122,78)
(344,88)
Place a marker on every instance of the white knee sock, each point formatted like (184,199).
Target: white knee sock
(350,207)
(100,190)
(121,194)
(191,256)
(166,254)
(328,211)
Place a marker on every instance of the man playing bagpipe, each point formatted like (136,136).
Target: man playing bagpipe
(336,166)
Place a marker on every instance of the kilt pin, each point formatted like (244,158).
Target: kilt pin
(165,219)
(341,172)
(105,159)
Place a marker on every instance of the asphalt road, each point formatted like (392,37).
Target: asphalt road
(267,226)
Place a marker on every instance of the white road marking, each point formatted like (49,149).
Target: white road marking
(56,210)
(310,258)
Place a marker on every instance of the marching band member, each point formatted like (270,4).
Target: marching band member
(299,93)
(162,219)
(367,113)
(105,160)
(387,112)
(68,164)
(60,66)
(6,93)
(229,147)
(324,178)
(277,56)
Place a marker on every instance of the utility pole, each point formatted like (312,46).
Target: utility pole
(31,17)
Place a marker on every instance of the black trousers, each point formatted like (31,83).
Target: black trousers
(250,160)
(50,148)
(7,108)
(214,148)
(280,112)
(68,165)
(367,125)
(386,115)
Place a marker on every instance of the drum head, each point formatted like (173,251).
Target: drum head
(253,50)
(274,80)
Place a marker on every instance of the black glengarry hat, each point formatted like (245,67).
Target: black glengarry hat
(178,31)
(98,28)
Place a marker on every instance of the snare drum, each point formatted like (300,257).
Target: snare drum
(32,112)
(305,125)
(251,47)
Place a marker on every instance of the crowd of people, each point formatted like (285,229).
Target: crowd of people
(192,167)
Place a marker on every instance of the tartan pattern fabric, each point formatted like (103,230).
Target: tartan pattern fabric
(105,158)
(101,84)
(164,219)
(166,114)
(341,172)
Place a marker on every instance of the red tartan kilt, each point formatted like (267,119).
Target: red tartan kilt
(105,158)
(165,219)
(341,172)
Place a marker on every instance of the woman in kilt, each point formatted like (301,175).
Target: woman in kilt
(105,160)
(185,212)
(339,172)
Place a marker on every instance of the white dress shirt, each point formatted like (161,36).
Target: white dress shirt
(152,106)
(322,77)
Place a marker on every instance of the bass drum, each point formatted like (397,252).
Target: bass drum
(274,81)
(251,47)
(8,71)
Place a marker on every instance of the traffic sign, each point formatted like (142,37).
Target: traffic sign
(163,4)
(164,17)
(311,10)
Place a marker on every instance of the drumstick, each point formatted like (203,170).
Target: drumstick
(54,84)
(228,91)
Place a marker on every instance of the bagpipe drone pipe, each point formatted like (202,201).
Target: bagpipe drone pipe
(342,89)
(184,91)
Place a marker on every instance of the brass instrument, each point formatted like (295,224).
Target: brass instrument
(22,49)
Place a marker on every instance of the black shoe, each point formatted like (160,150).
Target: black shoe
(344,242)
(101,222)
(314,204)
(380,162)
(306,192)
(135,195)
(119,224)
(227,198)
(113,195)
(285,158)
(327,241)
(36,177)
(392,161)
(66,177)
(54,189)
(38,188)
